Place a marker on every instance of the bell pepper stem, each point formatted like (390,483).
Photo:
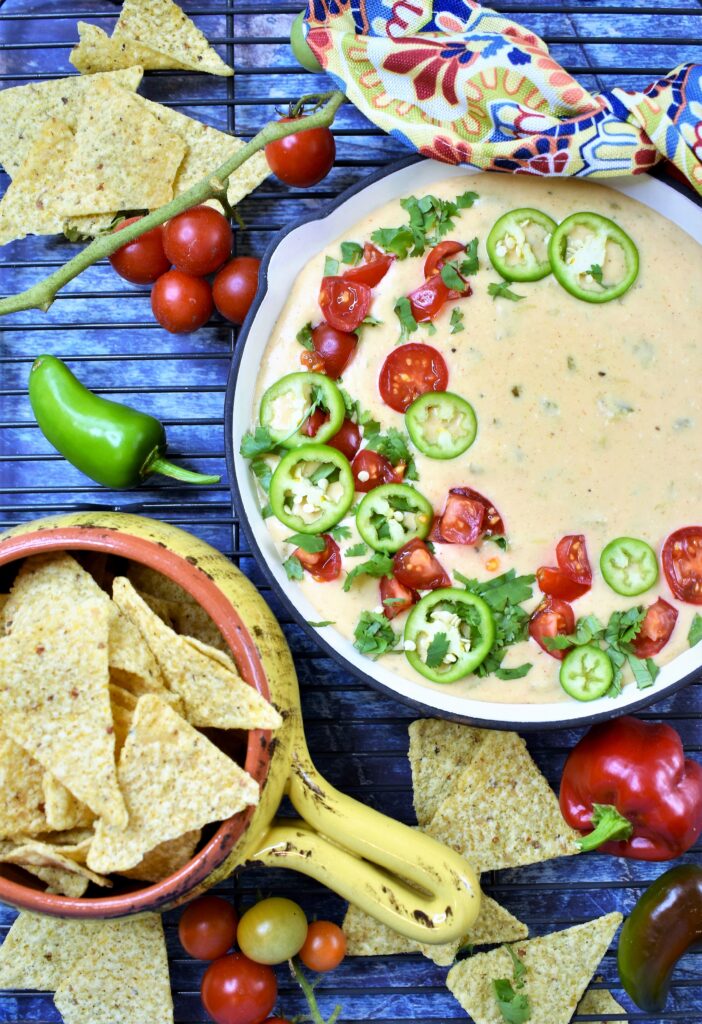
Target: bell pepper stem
(158,464)
(214,186)
(308,990)
(608,826)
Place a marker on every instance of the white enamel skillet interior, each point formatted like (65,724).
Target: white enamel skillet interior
(285,259)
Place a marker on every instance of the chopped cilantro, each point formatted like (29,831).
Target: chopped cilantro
(374,635)
(262,471)
(451,277)
(293,568)
(695,634)
(324,622)
(257,443)
(351,252)
(504,594)
(393,445)
(595,272)
(437,650)
(267,510)
(430,218)
(340,532)
(512,1004)
(466,200)
(403,312)
(309,542)
(470,264)
(503,291)
(518,967)
(429,327)
(331,267)
(570,362)
(398,241)
(377,565)
(304,336)
(457,320)
(502,590)
(356,550)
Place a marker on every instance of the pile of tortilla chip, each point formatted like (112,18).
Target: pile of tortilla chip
(480,792)
(81,150)
(103,767)
(154,33)
(97,970)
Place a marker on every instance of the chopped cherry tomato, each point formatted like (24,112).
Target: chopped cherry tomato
(399,598)
(303,159)
(409,371)
(235,287)
(555,583)
(324,565)
(198,241)
(415,567)
(334,348)
(682,563)
(656,628)
(207,928)
(312,361)
(439,255)
(571,555)
(551,618)
(143,260)
(324,948)
(373,269)
(235,990)
(346,440)
(467,517)
(181,302)
(344,304)
(378,469)
(428,300)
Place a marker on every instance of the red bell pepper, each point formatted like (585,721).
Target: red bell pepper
(628,786)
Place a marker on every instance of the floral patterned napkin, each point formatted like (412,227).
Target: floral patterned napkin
(461,83)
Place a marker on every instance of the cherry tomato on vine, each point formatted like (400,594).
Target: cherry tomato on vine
(181,302)
(207,928)
(324,948)
(198,241)
(143,260)
(273,930)
(235,990)
(302,160)
(276,1020)
(235,286)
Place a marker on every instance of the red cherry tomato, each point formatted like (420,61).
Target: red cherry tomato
(373,269)
(398,597)
(344,304)
(324,565)
(235,990)
(347,439)
(656,628)
(415,567)
(410,371)
(181,302)
(198,241)
(555,583)
(235,286)
(143,260)
(303,159)
(378,468)
(467,516)
(682,563)
(439,255)
(551,618)
(324,948)
(571,555)
(334,348)
(207,928)
(428,300)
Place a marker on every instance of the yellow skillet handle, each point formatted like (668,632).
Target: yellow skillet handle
(372,861)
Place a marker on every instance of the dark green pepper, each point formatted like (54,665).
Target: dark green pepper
(665,923)
(111,443)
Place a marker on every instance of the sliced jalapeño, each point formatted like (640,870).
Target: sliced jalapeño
(393,514)
(312,488)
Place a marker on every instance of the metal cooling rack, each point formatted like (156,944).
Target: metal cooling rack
(103,327)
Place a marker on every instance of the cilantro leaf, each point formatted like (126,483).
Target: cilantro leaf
(324,622)
(513,1006)
(429,327)
(393,445)
(695,634)
(331,267)
(587,631)
(470,263)
(514,673)
(403,312)
(304,337)
(503,291)
(340,532)
(351,252)
(505,589)
(259,442)
(398,241)
(293,568)
(356,550)
(645,671)
(518,967)
(504,594)
(262,471)
(437,650)
(451,277)
(308,542)
(465,201)
(595,272)
(377,565)
(374,635)
(457,320)
(430,218)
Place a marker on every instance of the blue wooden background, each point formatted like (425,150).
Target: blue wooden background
(103,327)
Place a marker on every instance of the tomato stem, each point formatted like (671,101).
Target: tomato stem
(308,990)
(214,186)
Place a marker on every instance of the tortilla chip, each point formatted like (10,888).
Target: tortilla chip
(21,792)
(25,108)
(212,690)
(38,950)
(600,1001)
(122,698)
(166,858)
(367,937)
(132,664)
(558,970)
(62,810)
(63,883)
(42,581)
(31,204)
(54,701)
(31,854)
(501,812)
(122,718)
(144,578)
(97,52)
(166,29)
(438,751)
(122,978)
(174,781)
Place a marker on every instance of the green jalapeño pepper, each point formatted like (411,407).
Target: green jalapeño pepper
(393,514)
(665,924)
(629,566)
(111,443)
(592,258)
(448,634)
(586,672)
(518,245)
(287,405)
(312,488)
(442,425)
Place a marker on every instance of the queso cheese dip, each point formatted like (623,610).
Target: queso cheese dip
(588,415)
